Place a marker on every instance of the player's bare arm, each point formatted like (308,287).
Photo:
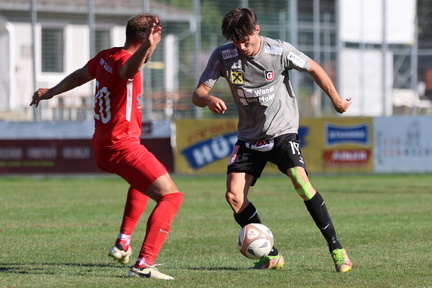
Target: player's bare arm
(201,98)
(75,79)
(324,82)
(142,53)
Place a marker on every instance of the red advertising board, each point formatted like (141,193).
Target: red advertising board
(346,158)
(65,155)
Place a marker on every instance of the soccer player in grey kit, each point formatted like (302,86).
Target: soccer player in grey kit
(256,69)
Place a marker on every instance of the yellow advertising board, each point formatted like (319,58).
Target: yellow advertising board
(203,146)
(329,145)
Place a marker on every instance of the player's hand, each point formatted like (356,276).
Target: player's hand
(40,94)
(342,105)
(216,105)
(152,38)
(154,34)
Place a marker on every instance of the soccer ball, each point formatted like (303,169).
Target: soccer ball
(255,241)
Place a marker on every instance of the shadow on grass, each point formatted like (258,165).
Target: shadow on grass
(214,268)
(45,268)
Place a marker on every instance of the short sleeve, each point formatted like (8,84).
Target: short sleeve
(213,70)
(296,59)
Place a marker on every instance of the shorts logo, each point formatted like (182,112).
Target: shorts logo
(269,75)
(236,77)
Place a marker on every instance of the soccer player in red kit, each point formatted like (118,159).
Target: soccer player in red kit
(116,140)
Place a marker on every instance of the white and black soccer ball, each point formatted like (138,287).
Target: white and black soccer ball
(255,240)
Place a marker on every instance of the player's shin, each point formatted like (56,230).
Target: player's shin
(136,203)
(318,210)
(247,216)
(158,227)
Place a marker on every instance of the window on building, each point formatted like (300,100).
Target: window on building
(52,50)
(102,40)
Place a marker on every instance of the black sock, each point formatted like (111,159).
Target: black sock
(250,215)
(318,210)
(247,216)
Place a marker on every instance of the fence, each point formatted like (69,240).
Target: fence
(44,40)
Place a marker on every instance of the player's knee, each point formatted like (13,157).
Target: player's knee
(234,201)
(301,182)
(230,197)
(175,197)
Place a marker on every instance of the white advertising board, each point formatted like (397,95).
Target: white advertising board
(403,144)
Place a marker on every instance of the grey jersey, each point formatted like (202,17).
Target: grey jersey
(260,86)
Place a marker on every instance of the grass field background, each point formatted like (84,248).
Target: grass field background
(56,231)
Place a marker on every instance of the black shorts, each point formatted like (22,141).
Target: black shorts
(285,154)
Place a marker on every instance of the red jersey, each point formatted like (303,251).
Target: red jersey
(117,101)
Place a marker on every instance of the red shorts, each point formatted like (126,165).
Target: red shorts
(138,166)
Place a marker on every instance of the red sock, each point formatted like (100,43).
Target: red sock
(136,203)
(158,227)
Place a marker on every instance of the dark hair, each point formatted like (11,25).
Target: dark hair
(238,24)
(137,26)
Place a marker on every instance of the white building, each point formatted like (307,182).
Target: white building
(62,31)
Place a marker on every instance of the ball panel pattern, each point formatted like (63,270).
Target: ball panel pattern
(255,241)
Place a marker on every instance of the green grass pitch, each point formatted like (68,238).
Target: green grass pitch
(56,232)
